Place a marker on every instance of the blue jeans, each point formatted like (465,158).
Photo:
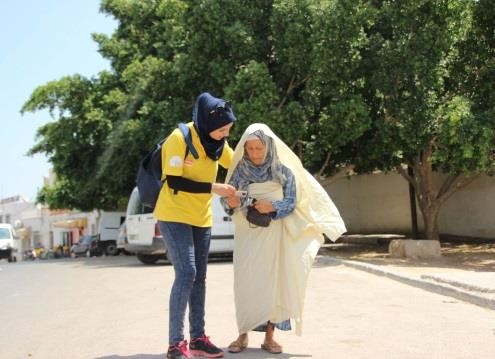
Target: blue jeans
(187,249)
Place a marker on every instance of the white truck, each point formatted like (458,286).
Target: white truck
(9,242)
(109,227)
(144,238)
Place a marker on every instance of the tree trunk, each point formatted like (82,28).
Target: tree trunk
(430,200)
(430,220)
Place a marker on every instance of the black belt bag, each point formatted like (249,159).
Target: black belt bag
(257,218)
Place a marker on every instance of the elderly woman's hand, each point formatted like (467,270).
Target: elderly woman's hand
(233,201)
(264,206)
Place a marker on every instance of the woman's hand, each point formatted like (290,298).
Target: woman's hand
(264,206)
(223,189)
(233,201)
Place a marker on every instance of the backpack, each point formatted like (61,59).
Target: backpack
(149,177)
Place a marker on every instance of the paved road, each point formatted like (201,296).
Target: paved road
(116,308)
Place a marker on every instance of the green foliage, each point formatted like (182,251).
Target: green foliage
(423,68)
(336,93)
(253,94)
(59,196)
(465,142)
(291,28)
(475,82)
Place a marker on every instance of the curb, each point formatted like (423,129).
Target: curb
(458,284)
(426,282)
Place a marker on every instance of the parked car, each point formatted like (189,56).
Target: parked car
(144,238)
(9,242)
(86,247)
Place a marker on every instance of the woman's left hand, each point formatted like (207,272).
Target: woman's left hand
(264,206)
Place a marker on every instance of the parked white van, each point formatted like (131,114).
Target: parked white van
(144,238)
(9,242)
(110,223)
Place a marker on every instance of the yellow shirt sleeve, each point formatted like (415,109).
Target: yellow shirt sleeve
(225,159)
(173,153)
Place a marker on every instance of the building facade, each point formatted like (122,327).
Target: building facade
(38,227)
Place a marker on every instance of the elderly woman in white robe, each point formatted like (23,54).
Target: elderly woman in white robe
(272,264)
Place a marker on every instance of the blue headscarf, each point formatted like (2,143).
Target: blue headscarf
(209,114)
(269,170)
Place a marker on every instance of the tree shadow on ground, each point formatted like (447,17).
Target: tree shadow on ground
(466,255)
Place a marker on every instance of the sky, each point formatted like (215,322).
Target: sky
(40,41)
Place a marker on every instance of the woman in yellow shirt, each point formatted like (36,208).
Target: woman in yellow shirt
(184,213)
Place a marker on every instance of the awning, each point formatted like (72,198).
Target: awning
(23,232)
(71,223)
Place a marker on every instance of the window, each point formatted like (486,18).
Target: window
(146,210)
(36,237)
(7,218)
(4,233)
(134,206)
(67,239)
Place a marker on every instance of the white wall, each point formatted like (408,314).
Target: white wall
(373,203)
(471,211)
(379,203)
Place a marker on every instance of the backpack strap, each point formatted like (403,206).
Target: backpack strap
(186,132)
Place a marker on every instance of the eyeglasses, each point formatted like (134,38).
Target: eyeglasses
(226,106)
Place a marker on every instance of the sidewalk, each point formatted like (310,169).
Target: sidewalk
(465,271)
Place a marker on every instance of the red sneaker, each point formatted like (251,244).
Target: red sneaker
(203,347)
(178,351)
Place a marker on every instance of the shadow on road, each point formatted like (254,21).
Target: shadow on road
(249,353)
(117,262)
(135,356)
(323,262)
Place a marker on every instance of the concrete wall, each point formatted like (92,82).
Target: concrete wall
(471,211)
(373,203)
(379,203)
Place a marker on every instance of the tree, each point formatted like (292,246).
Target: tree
(336,93)
(423,112)
(162,54)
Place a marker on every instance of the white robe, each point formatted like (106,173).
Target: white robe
(272,264)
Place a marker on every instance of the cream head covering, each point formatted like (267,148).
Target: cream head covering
(314,205)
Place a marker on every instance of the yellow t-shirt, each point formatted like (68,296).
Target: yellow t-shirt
(185,207)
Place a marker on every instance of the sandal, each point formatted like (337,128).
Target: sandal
(238,345)
(272,347)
